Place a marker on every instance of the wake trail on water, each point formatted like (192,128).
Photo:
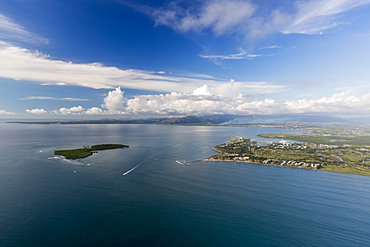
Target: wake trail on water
(124,174)
(132,169)
(182,162)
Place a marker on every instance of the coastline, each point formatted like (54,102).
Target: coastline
(258,163)
(309,156)
(87,151)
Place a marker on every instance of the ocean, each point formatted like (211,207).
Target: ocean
(152,194)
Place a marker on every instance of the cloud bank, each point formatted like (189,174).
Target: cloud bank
(224,99)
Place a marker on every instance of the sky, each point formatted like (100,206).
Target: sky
(93,59)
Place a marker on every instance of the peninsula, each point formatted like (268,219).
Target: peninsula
(87,150)
(341,157)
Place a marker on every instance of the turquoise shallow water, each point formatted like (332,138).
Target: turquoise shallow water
(47,201)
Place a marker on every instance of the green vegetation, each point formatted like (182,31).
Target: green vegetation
(314,156)
(87,151)
(323,139)
(344,169)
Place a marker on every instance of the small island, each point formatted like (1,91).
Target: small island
(86,151)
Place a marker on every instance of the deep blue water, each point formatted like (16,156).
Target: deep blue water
(45,201)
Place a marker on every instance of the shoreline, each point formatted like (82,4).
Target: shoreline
(304,155)
(86,151)
(258,163)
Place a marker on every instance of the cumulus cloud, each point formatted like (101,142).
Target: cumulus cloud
(95,111)
(249,18)
(76,110)
(115,100)
(114,103)
(226,90)
(37,111)
(203,90)
(9,30)
(224,99)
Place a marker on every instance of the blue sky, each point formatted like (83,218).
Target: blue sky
(123,58)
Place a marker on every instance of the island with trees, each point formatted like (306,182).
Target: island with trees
(87,150)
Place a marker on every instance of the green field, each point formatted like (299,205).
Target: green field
(87,151)
(323,139)
(345,169)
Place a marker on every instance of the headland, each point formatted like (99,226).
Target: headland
(342,158)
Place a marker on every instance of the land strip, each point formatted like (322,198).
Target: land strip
(87,150)
(343,158)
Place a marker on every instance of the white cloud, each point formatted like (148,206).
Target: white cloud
(76,110)
(226,90)
(79,110)
(22,64)
(203,90)
(316,15)
(37,111)
(9,30)
(94,111)
(239,56)
(52,98)
(176,104)
(270,47)
(221,16)
(230,90)
(249,18)
(115,100)
(224,99)
(4,112)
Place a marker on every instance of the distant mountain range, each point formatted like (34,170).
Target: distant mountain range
(207,120)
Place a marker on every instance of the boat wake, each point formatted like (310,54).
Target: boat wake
(150,157)
(124,174)
(183,162)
